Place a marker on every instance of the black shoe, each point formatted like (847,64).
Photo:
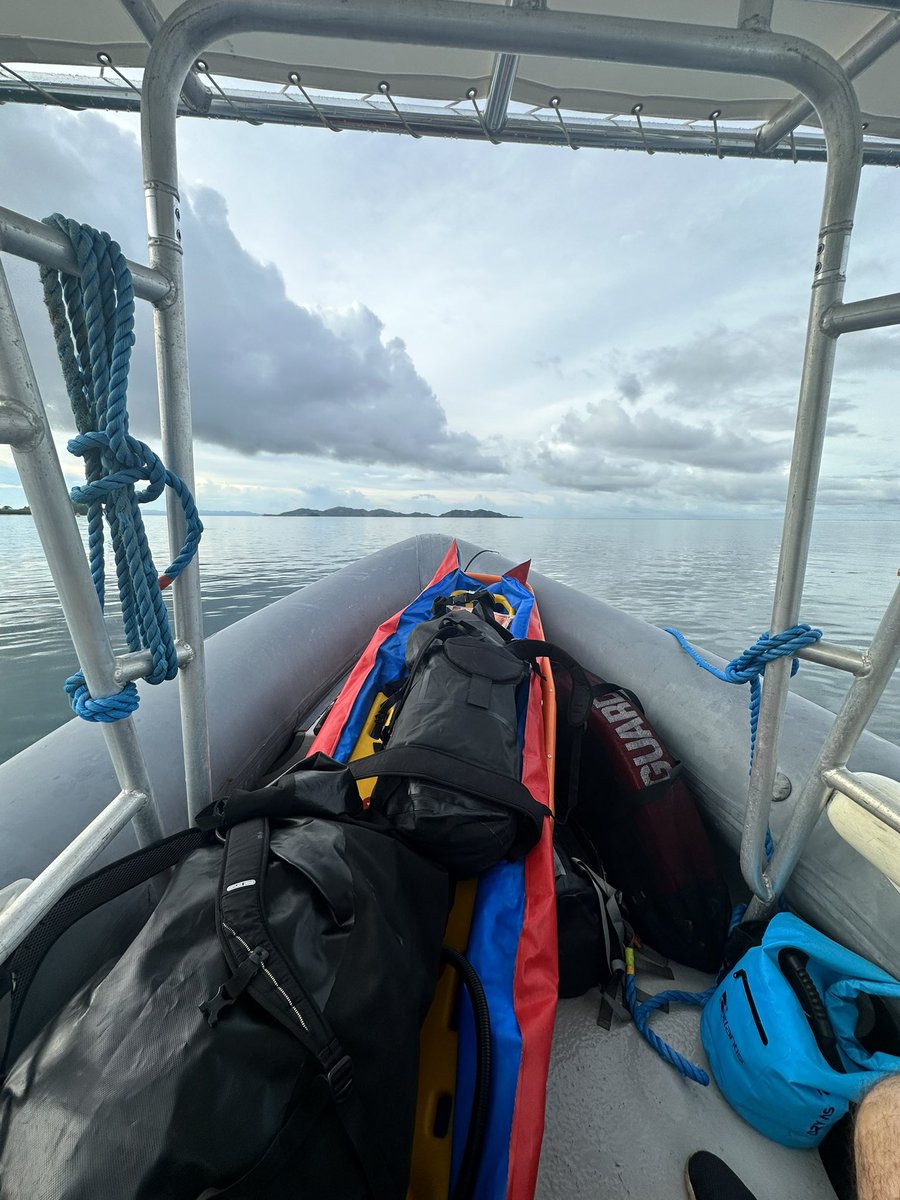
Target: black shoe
(708,1178)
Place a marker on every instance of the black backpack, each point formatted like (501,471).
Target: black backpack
(592,928)
(259,1037)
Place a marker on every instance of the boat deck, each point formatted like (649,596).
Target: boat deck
(621,1122)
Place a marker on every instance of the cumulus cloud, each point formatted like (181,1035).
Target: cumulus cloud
(724,365)
(586,469)
(710,416)
(267,374)
(652,435)
(279,377)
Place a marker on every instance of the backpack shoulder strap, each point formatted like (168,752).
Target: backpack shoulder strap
(259,965)
(529,649)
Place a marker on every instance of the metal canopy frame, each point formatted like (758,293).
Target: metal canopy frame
(538,124)
(507,32)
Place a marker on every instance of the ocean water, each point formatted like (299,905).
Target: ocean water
(712,579)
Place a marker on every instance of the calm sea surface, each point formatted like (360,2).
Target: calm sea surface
(711,579)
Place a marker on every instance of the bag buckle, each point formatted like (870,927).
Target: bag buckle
(232,988)
(340,1079)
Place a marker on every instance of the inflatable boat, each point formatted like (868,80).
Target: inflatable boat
(619,1121)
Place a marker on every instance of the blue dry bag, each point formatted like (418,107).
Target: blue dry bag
(781,1032)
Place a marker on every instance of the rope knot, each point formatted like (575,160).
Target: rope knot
(750,665)
(104,709)
(92,315)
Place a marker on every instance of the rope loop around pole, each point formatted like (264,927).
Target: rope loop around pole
(750,664)
(92,316)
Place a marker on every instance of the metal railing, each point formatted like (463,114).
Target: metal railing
(25,428)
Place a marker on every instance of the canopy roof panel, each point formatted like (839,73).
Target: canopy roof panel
(41,38)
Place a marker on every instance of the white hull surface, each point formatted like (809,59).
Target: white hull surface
(277,667)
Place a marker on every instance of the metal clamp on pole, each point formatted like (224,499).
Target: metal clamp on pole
(18,426)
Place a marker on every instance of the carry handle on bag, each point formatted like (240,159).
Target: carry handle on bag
(783,1032)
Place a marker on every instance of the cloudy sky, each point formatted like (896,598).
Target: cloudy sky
(380,321)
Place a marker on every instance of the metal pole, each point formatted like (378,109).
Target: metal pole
(862,54)
(502,80)
(54,519)
(139,663)
(809,439)
(859,704)
(146,16)
(882,4)
(49,246)
(20,916)
(173,382)
(840,657)
(503,77)
(511,30)
(862,793)
(862,314)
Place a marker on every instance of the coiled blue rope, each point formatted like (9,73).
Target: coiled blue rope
(93,326)
(641,1014)
(642,1011)
(749,666)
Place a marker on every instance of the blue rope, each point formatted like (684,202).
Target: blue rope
(93,326)
(106,708)
(749,666)
(641,1014)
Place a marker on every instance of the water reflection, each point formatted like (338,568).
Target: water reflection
(712,579)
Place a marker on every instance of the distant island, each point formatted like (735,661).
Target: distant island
(341,511)
(25,511)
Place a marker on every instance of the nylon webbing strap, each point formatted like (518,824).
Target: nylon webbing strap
(248,943)
(577,710)
(582,696)
(446,770)
(608,899)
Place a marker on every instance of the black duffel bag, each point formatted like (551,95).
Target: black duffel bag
(259,1038)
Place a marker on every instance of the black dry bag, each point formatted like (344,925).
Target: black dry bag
(449,778)
(259,1038)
